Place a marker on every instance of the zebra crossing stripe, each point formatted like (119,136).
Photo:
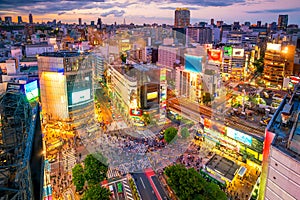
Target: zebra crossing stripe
(130,198)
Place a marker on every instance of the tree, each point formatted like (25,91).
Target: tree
(95,168)
(96,192)
(170,134)
(185,133)
(146,118)
(78,177)
(188,184)
(259,65)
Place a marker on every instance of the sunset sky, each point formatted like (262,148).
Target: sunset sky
(150,11)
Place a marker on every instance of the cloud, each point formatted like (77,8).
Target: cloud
(58,6)
(61,13)
(174,8)
(116,13)
(203,3)
(283,10)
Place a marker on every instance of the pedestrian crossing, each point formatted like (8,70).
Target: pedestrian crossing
(69,159)
(127,190)
(112,173)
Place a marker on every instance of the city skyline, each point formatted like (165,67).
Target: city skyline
(139,12)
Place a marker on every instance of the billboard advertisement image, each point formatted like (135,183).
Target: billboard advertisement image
(239,136)
(81,96)
(273,47)
(31,90)
(215,55)
(228,51)
(193,63)
(238,52)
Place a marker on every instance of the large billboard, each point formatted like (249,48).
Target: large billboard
(228,50)
(81,96)
(152,95)
(193,63)
(214,55)
(238,52)
(239,136)
(273,47)
(32,90)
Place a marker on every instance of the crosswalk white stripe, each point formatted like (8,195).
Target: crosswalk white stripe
(130,198)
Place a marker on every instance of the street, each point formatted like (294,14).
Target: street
(144,186)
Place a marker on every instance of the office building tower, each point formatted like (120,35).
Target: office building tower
(18,121)
(66,88)
(202,35)
(30,19)
(20,19)
(258,23)
(8,19)
(282,22)
(247,23)
(79,21)
(220,23)
(280,178)
(99,23)
(278,63)
(182,18)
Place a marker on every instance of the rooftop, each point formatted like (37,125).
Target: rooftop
(286,125)
(223,166)
(62,54)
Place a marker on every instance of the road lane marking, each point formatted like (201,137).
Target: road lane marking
(142,182)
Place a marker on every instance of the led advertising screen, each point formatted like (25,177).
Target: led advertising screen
(152,95)
(241,137)
(163,74)
(31,90)
(81,96)
(273,47)
(215,55)
(227,51)
(136,112)
(193,63)
(238,52)
(163,94)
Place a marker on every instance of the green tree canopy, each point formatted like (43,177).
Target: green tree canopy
(185,133)
(170,134)
(188,184)
(95,168)
(78,177)
(96,192)
(259,65)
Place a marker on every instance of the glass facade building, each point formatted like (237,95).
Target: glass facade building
(66,88)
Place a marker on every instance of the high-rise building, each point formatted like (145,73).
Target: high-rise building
(280,178)
(282,22)
(279,63)
(258,23)
(182,18)
(20,19)
(8,19)
(30,19)
(247,23)
(66,88)
(79,21)
(99,23)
